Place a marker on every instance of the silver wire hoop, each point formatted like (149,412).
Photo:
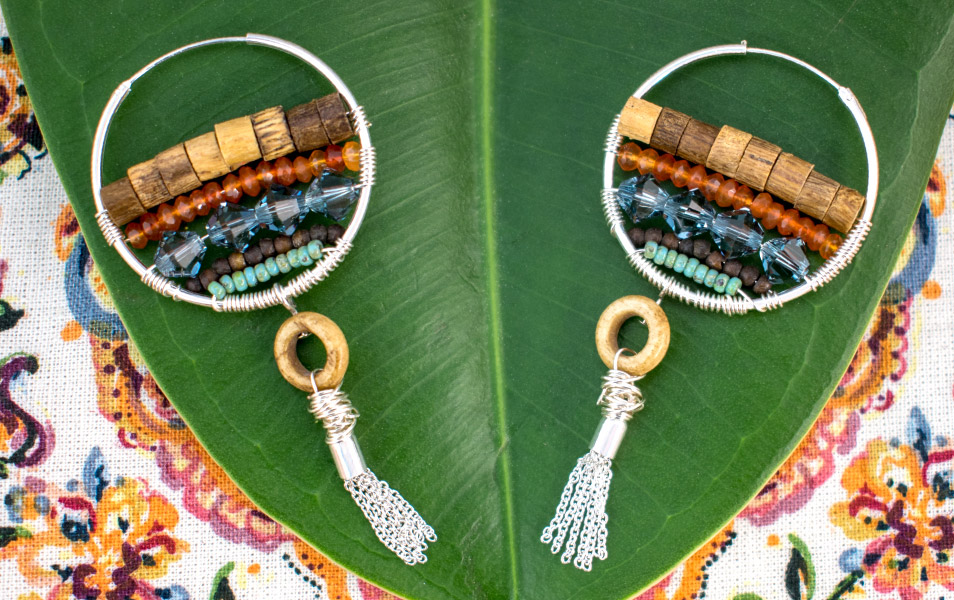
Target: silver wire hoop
(742,304)
(277,294)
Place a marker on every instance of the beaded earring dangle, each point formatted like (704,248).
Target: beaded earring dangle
(714,256)
(211,173)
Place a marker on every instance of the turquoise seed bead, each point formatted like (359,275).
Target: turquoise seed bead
(699,274)
(271,266)
(217,290)
(720,282)
(680,263)
(227,283)
(691,265)
(314,249)
(283,265)
(709,281)
(238,278)
(649,250)
(292,256)
(261,273)
(733,286)
(670,259)
(304,259)
(661,253)
(250,277)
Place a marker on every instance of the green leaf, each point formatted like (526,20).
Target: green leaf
(471,296)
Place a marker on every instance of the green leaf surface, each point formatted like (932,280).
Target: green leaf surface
(472,293)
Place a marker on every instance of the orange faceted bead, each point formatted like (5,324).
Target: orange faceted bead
(697,177)
(664,167)
(625,158)
(265,173)
(231,188)
(213,193)
(302,170)
(167,217)
(646,161)
(333,158)
(789,221)
(804,229)
(680,174)
(743,197)
(135,236)
(250,183)
(712,185)
(351,155)
(816,237)
(772,215)
(185,209)
(284,171)
(200,202)
(831,245)
(761,205)
(726,192)
(150,227)
(317,162)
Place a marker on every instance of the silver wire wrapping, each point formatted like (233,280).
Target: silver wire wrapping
(580,519)
(395,522)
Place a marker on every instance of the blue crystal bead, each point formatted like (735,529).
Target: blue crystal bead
(282,209)
(180,254)
(641,198)
(737,233)
(784,258)
(688,214)
(331,195)
(232,227)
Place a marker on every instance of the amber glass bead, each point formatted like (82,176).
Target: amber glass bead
(680,174)
(265,173)
(664,167)
(761,205)
(816,237)
(772,215)
(713,183)
(333,158)
(351,155)
(726,192)
(184,208)
(284,171)
(231,188)
(317,162)
(697,177)
(213,193)
(250,183)
(788,222)
(150,227)
(302,170)
(646,161)
(804,229)
(743,197)
(135,236)
(167,217)
(200,202)
(626,158)
(831,245)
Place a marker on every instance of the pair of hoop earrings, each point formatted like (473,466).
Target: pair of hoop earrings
(724,166)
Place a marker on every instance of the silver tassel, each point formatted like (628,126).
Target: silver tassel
(580,519)
(395,522)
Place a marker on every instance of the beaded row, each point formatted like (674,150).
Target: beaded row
(248,182)
(239,281)
(729,192)
(691,267)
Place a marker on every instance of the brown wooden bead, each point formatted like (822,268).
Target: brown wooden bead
(669,127)
(300,238)
(319,232)
(147,182)
(637,236)
(206,159)
(638,119)
(715,260)
(237,142)
(194,285)
(732,268)
(307,131)
(267,246)
(654,234)
(271,129)
(844,210)
(237,261)
(670,241)
(762,285)
(607,334)
(788,176)
(121,201)
(748,275)
(757,161)
(334,233)
(286,351)
(727,149)
(334,118)
(206,277)
(696,141)
(817,195)
(221,266)
(701,249)
(283,244)
(685,247)
(176,170)
(253,256)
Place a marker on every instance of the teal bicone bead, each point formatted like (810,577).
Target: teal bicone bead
(699,274)
(217,290)
(250,277)
(304,259)
(314,249)
(691,265)
(649,250)
(283,265)
(261,273)
(680,263)
(710,279)
(292,256)
(733,286)
(271,266)
(238,278)
(661,253)
(670,259)
(720,282)
(227,283)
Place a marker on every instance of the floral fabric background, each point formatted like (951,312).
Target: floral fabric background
(106,493)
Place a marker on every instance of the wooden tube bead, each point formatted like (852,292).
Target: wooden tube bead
(844,209)
(669,129)
(176,170)
(206,159)
(334,118)
(307,131)
(237,142)
(727,150)
(121,201)
(271,129)
(696,141)
(788,176)
(638,119)
(756,163)
(816,195)
(147,183)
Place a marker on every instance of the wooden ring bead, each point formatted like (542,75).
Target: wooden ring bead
(286,351)
(607,334)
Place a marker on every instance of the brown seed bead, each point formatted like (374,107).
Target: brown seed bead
(194,285)
(335,232)
(670,240)
(637,236)
(654,234)
(319,232)
(715,260)
(236,261)
(283,244)
(685,247)
(267,246)
(221,266)
(748,275)
(206,277)
(762,285)
(701,249)
(253,256)
(300,238)
(732,268)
